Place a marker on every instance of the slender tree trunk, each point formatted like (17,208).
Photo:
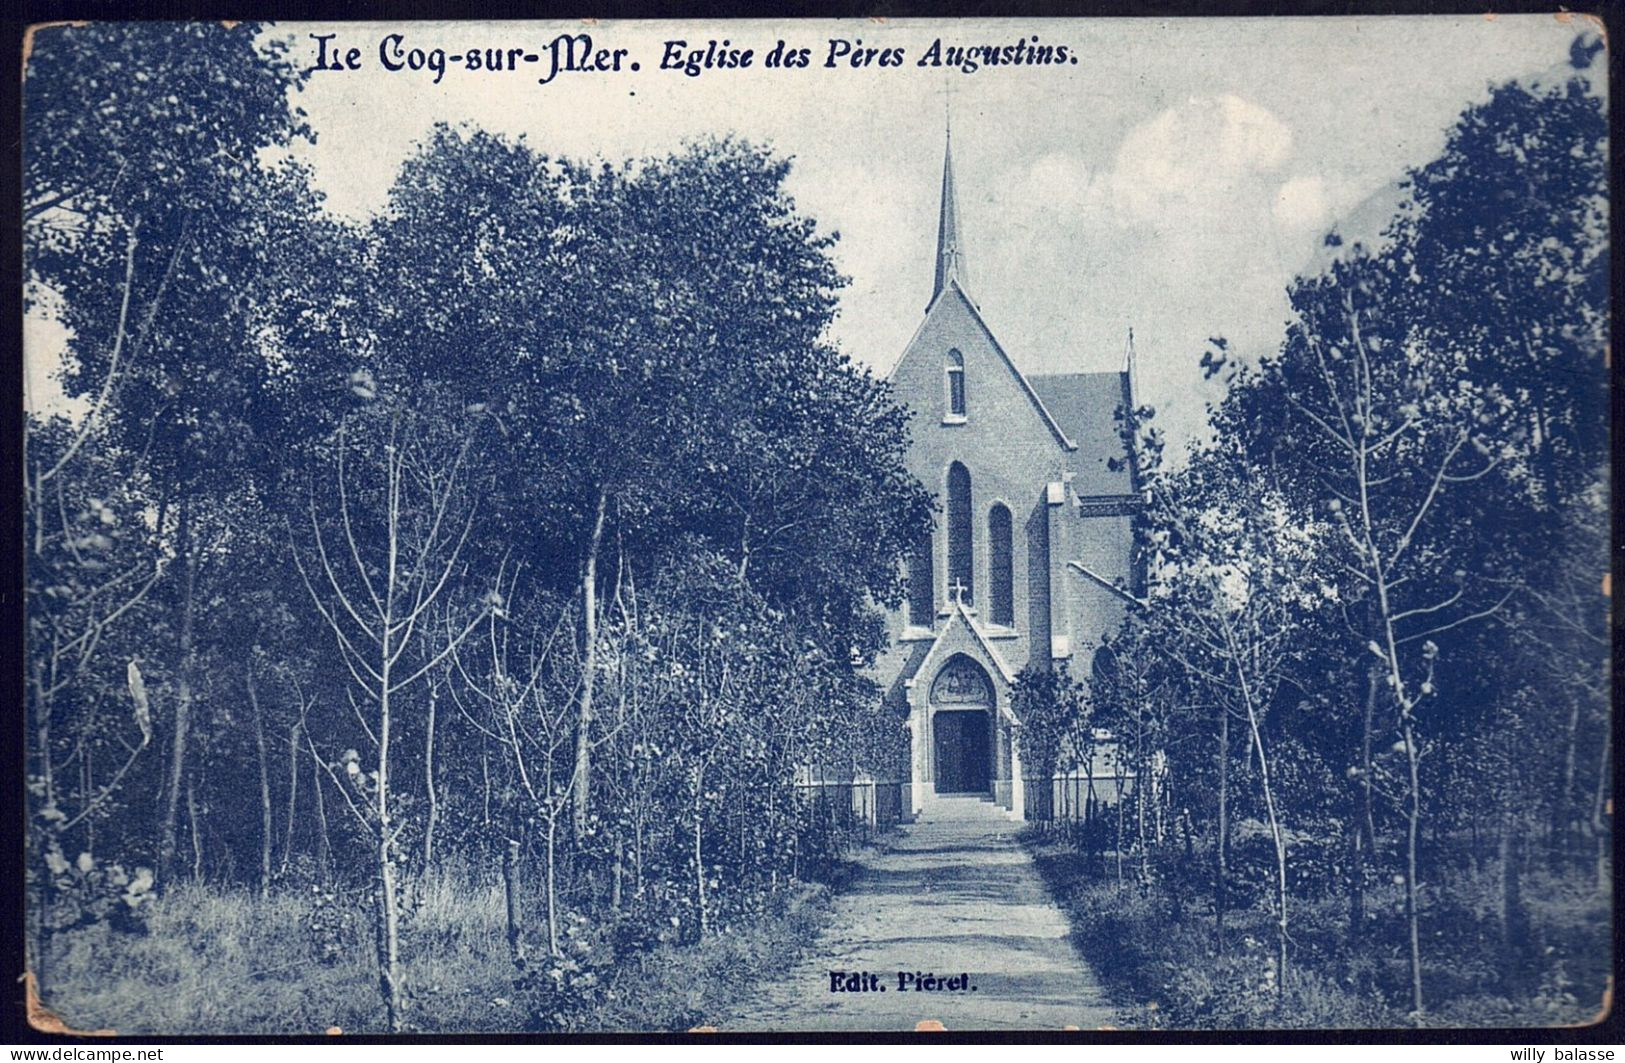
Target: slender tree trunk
(87,791)
(772,814)
(485,806)
(429,784)
(324,843)
(699,860)
(553,881)
(1162,799)
(1140,794)
(615,880)
(1176,894)
(293,795)
(1356,841)
(197,837)
(1279,839)
(183,701)
(37,505)
(589,603)
(619,870)
(389,942)
(1514,919)
(1276,834)
(1365,825)
(388,919)
(1089,800)
(388,915)
(510,894)
(637,858)
(266,828)
(42,734)
(41,903)
(1119,780)
(1413,826)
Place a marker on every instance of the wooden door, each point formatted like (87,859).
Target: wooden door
(963,752)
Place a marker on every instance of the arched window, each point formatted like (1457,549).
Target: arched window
(1000,579)
(921,604)
(960,573)
(956,384)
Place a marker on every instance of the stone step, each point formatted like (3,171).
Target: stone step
(941,808)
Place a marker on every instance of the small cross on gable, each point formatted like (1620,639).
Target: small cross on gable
(958,589)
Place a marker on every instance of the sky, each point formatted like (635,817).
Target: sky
(1172,179)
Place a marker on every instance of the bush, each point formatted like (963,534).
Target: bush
(1157,959)
(219,961)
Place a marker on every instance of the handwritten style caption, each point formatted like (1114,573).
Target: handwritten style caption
(580,53)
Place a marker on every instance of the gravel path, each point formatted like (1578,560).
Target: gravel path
(954,895)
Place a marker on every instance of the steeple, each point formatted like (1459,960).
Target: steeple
(1130,363)
(950,250)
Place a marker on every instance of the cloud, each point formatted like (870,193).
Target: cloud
(1196,155)
(1302,203)
(1059,180)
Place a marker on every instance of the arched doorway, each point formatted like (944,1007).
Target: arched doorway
(962,728)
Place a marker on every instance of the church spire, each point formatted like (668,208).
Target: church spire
(950,249)
(1129,358)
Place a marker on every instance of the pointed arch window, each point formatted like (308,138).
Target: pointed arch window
(956,384)
(961,573)
(1000,569)
(922,606)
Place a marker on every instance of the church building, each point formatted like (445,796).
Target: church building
(1031,560)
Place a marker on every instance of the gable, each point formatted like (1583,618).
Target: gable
(1000,397)
(963,636)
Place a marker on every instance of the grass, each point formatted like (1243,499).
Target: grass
(224,961)
(1164,973)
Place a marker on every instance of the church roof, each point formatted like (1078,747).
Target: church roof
(1085,406)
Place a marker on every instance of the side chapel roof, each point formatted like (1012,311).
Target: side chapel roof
(1085,405)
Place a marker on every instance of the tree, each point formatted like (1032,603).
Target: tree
(1380,430)
(1506,237)
(526,694)
(181,265)
(1051,707)
(397,505)
(1508,229)
(1135,693)
(1387,554)
(1235,568)
(91,567)
(677,306)
(620,659)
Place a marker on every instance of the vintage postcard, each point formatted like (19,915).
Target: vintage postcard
(855,525)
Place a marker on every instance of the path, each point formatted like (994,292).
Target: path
(955,892)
